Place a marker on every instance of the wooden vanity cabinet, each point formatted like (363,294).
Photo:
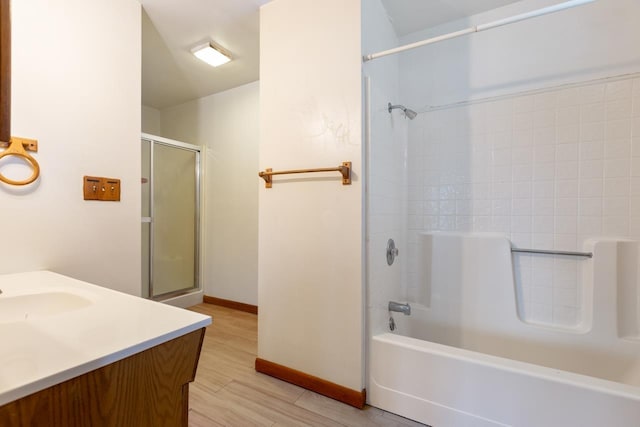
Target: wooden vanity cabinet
(150,388)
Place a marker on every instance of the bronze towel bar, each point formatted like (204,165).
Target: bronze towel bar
(344,169)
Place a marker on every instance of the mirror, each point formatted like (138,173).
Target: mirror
(5,71)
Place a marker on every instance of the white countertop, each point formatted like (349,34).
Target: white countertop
(56,328)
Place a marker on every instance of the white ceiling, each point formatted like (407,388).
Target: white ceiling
(171,75)
(170,28)
(409,16)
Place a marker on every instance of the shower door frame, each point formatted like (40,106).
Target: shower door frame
(197,150)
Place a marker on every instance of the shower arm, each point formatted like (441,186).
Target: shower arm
(410,114)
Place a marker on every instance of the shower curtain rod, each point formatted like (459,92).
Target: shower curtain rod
(478,28)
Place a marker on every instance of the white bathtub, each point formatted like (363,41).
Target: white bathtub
(445,386)
(467,359)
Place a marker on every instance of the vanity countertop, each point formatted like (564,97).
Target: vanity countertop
(54,328)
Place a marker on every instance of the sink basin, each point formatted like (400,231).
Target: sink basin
(34,306)
(54,328)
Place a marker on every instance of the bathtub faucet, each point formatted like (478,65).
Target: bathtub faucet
(400,308)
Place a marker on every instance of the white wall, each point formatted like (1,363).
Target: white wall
(151,120)
(591,41)
(226,124)
(310,272)
(549,169)
(83,106)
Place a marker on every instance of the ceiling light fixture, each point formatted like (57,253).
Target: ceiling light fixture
(211,54)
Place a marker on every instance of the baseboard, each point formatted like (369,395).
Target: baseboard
(343,394)
(231,304)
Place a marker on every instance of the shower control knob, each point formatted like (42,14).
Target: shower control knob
(392,251)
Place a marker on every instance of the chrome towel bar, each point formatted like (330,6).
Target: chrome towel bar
(547,252)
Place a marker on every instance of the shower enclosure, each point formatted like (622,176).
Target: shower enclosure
(170,217)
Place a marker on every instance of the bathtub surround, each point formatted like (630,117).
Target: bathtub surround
(525,133)
(472,290)
(551,167)
(550,170)
(310,240)
(83,106)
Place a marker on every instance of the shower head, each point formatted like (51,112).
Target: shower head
(410,114)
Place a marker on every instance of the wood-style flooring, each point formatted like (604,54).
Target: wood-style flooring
(229,392)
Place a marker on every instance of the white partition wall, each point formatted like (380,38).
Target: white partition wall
(310,238)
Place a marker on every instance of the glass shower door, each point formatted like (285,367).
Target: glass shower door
(170,220)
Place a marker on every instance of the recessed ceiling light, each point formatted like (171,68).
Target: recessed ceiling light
(211,54)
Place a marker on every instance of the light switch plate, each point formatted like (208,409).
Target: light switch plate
(91,188)
(102,189)
(111,191)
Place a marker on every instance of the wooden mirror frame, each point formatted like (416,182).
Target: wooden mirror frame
(5,70)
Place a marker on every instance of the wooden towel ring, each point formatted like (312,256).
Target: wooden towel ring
(17,148)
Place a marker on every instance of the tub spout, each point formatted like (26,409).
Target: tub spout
(400,308)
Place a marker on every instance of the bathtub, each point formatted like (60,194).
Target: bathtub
(466,358)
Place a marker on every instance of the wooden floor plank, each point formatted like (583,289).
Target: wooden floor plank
(229,392)
(284,413)
(196,419)
(350,416)
(225,411)
(401,421)
(219,372)
(347,415)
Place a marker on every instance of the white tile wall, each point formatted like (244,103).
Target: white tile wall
(549,170)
